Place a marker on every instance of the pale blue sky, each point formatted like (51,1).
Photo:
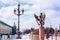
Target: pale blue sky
(50,7)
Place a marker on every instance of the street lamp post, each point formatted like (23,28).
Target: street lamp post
(18,10)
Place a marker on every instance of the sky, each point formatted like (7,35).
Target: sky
(50,7)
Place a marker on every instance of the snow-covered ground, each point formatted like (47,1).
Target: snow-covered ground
(26,37)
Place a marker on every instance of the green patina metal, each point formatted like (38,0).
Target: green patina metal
(13,30)
(1,22)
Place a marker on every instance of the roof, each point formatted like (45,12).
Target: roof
(1,22)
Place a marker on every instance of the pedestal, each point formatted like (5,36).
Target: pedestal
(41,33)
(18,35)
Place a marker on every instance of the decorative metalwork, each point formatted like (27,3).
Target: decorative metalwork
(18,10)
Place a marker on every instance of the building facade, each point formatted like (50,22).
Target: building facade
(7,29)
(34,35)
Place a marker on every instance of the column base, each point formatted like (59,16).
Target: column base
(18,37)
